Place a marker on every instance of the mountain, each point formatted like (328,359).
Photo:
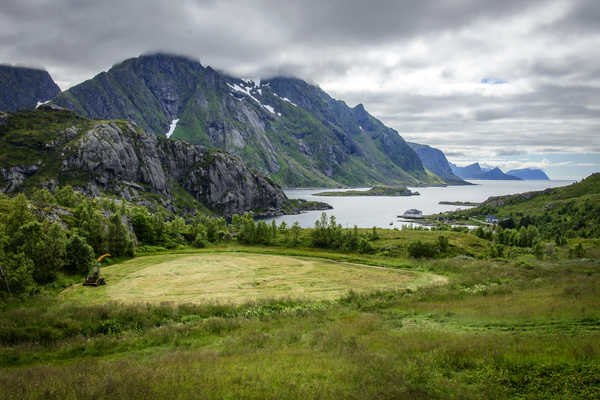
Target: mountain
(529,174)
(496,174)
(290,130)
(474,171)
(435,161)
(52,146)
(22,88)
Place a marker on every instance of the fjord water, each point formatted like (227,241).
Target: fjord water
(366,211)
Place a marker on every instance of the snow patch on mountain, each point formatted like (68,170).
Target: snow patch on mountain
(286,99)
(41,103)
(172,127)
(248,92)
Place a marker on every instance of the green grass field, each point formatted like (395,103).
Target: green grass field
(241,277)
(461,327)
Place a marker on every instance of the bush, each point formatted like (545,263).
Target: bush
(420,249)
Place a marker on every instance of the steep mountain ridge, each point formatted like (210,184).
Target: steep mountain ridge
(435,161)
(52,146)
(22,88)
(284,127)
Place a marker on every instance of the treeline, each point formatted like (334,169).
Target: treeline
(63,232)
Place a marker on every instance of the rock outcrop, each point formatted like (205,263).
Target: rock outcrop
(22,88)
(119,158)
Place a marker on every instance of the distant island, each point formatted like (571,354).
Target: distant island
(460,203)
(374,191)
(476,171)
(531,174)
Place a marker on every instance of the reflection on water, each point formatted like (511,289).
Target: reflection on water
(366,212)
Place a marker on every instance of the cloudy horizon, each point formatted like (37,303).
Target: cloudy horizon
(513,83)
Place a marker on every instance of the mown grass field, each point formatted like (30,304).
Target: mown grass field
(228,277)
(496,329)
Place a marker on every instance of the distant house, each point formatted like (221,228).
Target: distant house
(491,219)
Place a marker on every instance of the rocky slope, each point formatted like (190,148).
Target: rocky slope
(22,88)
(533,174)
(52,146)
(435,161)
(286,128)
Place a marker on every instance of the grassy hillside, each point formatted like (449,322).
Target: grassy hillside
(570,211)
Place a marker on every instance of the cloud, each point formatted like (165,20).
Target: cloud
(483,78)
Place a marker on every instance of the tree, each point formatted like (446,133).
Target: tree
(18,271)
(365,246)
(45,245)
(295,234)
(79,256)
(374,234)
(119,241)
(67,197)
(19,215)
(443,243)
(42,198)
(142,226)
(263,233)
(92,226)
(247,229)
(274,229)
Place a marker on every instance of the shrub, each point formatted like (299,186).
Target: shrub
(420,249)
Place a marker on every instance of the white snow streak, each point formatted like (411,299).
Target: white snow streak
(172,127)
(247,92)
(40,103)
(286,99)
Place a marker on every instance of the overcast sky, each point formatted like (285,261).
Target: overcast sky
(511,83)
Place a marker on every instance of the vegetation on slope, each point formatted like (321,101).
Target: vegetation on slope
(558,213)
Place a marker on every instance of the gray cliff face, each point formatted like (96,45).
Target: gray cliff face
(21,88)
(118,158)
(435,161)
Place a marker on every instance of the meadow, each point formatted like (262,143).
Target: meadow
(491,329)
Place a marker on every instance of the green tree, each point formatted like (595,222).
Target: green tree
(295,234)
(42,198)
(67,197)
(443,243)
(92,226)
(120,243)
(18,270)
(79,256)
(19,215)
(143,226)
